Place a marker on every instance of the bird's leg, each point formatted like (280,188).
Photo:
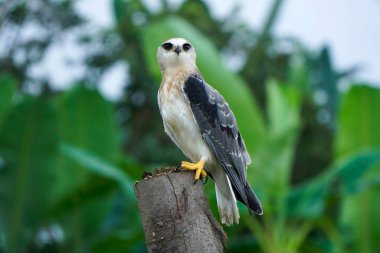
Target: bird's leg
(198,167)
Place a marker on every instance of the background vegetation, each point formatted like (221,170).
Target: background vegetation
(68,159)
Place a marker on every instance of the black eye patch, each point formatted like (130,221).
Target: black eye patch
(186,47)
(167,46)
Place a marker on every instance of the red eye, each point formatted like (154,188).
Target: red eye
(167,46)
(186,47)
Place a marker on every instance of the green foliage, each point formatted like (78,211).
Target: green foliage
(102,168)
(86,120)
(42,178)
(28,141)
(307,203)
(48,20)
(359,130)
(309,199)
(118,239)
(283,126)
(7,91)
(359,120)
(272,167)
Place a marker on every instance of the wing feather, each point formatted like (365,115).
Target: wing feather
(219,129)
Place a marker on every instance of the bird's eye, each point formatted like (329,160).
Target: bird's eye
(186,47)
(167,46)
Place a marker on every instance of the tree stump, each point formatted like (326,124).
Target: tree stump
(176,215)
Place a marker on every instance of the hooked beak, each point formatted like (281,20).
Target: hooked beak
(177,50)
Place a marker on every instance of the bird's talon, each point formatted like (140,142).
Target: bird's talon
(198,167)
(187,164)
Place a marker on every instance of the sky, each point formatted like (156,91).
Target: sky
(350,27)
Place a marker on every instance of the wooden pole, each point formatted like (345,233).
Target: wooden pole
(176,215)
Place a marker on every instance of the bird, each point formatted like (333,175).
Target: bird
(200,122)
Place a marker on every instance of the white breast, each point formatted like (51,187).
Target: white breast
(180,124)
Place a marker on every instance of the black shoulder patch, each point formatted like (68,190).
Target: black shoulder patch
(196,93)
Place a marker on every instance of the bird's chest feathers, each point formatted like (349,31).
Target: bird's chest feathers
(173,106)
(179,121)
(175,110)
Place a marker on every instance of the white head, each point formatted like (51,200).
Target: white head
(176,54)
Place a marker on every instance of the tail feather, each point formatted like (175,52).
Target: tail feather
(227,207)
(253,202)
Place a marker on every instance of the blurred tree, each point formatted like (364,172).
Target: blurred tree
(28,28)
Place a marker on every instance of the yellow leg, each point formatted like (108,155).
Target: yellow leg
(198,167)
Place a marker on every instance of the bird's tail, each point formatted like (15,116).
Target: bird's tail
(250,199)
(253,201)
(227,207)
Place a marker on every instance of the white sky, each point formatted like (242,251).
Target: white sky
(350,27)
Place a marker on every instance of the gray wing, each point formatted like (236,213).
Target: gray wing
(218,127)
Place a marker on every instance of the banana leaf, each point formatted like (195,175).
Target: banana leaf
(358,130)
(28,147)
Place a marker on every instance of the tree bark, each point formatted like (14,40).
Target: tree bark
(176,215)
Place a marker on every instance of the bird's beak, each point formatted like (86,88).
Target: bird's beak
(177,50)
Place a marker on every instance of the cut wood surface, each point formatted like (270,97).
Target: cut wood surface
(176,215)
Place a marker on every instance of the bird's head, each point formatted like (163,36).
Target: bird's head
(175,54)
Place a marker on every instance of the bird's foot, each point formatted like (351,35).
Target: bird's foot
(198,167)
